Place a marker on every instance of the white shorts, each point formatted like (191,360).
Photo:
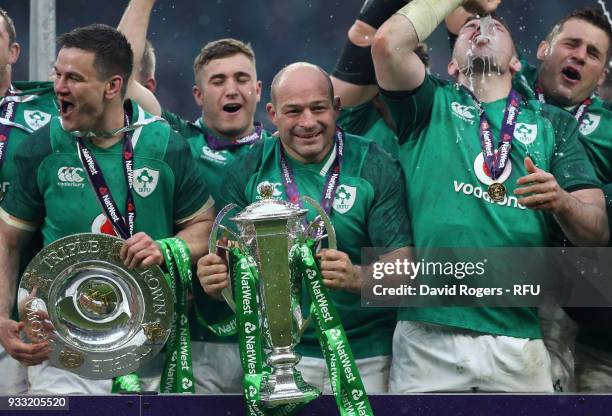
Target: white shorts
(217,367)
(46,379)
(559,335)
(593,370)
(436,358)
(374,373)
(13,375)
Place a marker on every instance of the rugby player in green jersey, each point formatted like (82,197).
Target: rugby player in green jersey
(100,136)
(25,107)
(368,210)
(542,172)
(228,91)
(574,60)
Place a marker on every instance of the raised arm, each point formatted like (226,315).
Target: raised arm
(398,68)
(134,25)
(353,77)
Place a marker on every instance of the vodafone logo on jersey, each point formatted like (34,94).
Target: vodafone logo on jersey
(70,177)
(101,225)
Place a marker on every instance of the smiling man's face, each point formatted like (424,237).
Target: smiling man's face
(574,62)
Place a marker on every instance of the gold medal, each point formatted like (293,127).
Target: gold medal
(497,192)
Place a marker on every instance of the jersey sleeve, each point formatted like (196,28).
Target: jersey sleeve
(359,119)
(24,199)
(411,110)
(570,164)
(388,218)
(191,193)
(177,123)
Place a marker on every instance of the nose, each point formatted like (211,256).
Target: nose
(580,54)
(59,85)
(308,120)
(231,88)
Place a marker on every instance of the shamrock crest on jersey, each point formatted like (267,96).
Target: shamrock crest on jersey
(526,133)
(589,123)
(35,119)
(265,185)
(145,181)
(345,198)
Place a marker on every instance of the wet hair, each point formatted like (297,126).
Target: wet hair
(590,15)
(9,26)
(222,48)
(279,76)
(112,52)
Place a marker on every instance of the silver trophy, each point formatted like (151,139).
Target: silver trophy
(102,320)
(268,230)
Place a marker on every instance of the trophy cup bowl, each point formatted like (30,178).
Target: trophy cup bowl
(101,319)
(268,230)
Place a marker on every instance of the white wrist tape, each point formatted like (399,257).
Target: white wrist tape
(426,15)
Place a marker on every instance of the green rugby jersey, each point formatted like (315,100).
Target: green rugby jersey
(34,109)
(213,163)
(595,127)
(365,120)
(51,188)
(440,154)
(368,211)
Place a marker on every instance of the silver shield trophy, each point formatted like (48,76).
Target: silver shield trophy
(102,319)
(268,230)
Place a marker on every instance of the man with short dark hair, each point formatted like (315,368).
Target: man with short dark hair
(166,191)
(228,91)
(482,156)
(24,108)
(366,207)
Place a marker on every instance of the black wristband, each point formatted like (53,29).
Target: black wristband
(376,12)
(355,65)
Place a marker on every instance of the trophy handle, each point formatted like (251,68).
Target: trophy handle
(213,246)
(329,228)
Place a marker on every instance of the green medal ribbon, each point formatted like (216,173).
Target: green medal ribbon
(178,369)
(351,397)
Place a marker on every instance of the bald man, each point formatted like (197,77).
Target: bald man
(368,210)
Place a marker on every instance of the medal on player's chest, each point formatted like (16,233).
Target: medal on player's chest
(493,166)
(497,191)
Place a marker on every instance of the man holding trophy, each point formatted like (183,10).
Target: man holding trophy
(364,200)
(105,165)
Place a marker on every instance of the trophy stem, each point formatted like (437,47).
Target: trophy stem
(283,385)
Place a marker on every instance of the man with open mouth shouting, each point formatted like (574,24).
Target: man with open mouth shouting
(103,156)
(227,89)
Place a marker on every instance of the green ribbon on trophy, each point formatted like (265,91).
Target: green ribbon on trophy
(347,386)
(350,395)
(250,339)
(177,376)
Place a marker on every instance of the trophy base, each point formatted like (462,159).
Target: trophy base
(285,386)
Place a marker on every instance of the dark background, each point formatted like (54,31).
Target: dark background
(280,31)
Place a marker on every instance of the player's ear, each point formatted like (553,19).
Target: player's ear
(453,68)
(258,90)
(337,103)
(543,50)
(198,96)
(271,112)
(113,86)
